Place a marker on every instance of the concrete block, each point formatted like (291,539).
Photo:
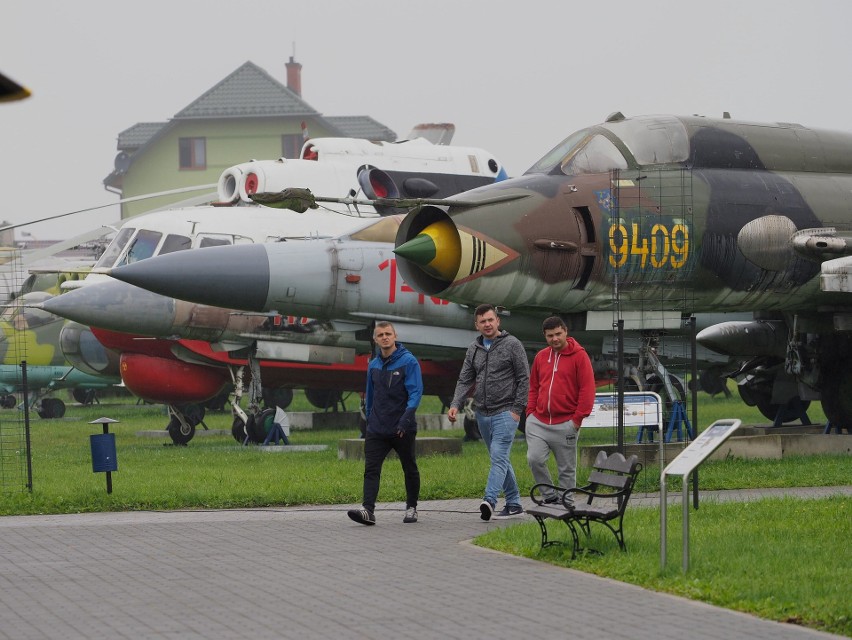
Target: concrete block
(199,433)
(773,447)
(303,420)
(353,448)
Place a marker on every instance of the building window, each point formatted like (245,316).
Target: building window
(291,145)
(193,153)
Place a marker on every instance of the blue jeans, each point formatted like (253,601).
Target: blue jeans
(498,434)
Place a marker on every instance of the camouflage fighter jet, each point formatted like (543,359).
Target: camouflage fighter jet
(670,216)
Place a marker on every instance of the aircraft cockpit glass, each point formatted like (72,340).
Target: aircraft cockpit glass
(561,151)
(216,240)
(382,231)
(141,247)
(597,155)
(653,139)
(581,152)
(21,317)
(110,255)
(174,242)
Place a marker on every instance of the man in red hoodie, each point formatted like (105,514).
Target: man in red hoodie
(562,394)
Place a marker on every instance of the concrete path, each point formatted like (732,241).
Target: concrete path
(312,573)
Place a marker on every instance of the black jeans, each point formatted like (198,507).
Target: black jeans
(376,449)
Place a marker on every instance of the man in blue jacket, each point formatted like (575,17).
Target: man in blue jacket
(394,389)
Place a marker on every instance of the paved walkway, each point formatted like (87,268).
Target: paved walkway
(312,573)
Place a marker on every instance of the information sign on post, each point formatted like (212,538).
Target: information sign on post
(684,464)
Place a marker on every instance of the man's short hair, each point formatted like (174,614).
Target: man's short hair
(384,323)
(482,309)
(553,322)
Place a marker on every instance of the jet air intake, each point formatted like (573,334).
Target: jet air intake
(428,250)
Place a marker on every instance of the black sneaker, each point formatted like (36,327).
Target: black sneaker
(486,509)
(362,516)
(510,511)
(551,500)
(410,515)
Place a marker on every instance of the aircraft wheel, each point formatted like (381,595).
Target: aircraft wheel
(180,433)
(789,413)
(323,398)
(218,402)
(84,396)
(471,430)
(837,398)
(193,414)
(238,430)
(58,407)
(280,397)
(712,381)
(656,385)
(263,424)
(51,408)
(45,409)
(8,401)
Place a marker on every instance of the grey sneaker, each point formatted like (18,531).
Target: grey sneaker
(510,511)
(486,510)
(410,515)
(362,516)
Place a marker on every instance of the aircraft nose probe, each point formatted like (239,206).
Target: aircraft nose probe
(437,249)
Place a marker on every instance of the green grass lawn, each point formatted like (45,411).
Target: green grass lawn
(781,559)
(784,560)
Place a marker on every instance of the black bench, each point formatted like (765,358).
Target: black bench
(610,485)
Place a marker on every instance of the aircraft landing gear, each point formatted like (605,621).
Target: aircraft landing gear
(50,408)
(8,401)
(756,390)
(471,428)
(182,422)
(837,397)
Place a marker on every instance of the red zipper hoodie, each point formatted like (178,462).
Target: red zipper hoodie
(562,385)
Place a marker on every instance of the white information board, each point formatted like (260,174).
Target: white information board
(698,450)
(641,409)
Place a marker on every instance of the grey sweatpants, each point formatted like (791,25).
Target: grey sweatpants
(560,438)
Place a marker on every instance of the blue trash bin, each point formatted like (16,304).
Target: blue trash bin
(103,452)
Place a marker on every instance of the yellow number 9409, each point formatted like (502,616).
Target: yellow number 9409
(660,247)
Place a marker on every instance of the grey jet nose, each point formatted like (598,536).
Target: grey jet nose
(207,276)
(116,306)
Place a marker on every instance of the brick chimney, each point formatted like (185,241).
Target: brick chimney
(294,77)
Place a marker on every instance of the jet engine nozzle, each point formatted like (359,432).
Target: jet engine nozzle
(376,184)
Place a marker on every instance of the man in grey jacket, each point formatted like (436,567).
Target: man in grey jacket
(497,364)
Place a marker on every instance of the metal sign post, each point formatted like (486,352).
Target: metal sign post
(688,460)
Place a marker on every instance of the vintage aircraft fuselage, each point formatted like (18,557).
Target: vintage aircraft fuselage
(658,214)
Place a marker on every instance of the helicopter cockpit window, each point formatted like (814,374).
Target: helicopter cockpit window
(597,155)
(174,242)
(653,139)
(141,247)
(115,247)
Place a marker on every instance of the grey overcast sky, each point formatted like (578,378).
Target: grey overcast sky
(514,77)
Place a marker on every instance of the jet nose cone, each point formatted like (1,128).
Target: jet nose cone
(117,306)
(207,276)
